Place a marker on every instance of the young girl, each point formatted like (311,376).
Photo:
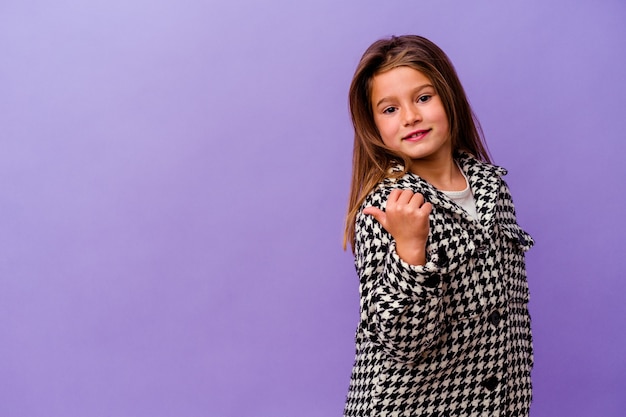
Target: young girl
(444,327)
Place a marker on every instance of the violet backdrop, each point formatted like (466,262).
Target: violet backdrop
(174,177)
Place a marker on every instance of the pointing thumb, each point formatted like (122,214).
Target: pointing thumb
(376,213)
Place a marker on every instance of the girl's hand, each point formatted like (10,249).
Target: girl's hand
(406,220)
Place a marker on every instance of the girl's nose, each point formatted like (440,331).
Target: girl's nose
(411,116)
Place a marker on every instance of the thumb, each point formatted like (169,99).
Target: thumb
(376,213)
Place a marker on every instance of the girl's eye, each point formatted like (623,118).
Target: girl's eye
(424,98)
(389,110)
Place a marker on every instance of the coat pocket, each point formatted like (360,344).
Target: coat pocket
(515,242)
(516,236)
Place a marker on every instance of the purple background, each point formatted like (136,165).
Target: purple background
(174,179)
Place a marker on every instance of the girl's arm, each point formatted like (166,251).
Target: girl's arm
(401,309)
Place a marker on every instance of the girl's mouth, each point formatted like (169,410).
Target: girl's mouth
(417,135)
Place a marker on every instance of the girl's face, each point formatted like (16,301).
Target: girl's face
(409,114)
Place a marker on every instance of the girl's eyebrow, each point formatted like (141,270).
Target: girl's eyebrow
(415,90)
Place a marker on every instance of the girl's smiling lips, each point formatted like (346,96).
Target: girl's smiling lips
(417,135)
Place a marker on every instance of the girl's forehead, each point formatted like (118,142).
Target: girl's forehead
(400,74)
(398,78)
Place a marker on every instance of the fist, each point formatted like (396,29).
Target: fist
(406,220)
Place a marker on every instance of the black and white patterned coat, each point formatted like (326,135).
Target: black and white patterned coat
(452,337)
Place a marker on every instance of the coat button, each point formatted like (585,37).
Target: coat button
(491,383)
(482,249)
(522,239)
(494,318)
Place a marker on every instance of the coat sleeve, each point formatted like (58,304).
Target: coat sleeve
(400,304)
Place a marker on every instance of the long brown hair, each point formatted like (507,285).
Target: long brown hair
(371,159)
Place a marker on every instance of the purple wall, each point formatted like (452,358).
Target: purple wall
(174,177)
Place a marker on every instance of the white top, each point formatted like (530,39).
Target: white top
(464,198)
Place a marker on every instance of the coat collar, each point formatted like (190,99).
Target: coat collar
(484,179)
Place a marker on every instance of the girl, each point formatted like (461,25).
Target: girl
(444,327)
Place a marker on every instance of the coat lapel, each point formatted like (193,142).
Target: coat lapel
(485,182)
(438,199)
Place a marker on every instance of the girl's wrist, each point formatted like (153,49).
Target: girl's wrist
(413,254)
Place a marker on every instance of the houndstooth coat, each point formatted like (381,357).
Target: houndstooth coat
(450,338)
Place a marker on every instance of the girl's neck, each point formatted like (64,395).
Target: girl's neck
(444,174)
